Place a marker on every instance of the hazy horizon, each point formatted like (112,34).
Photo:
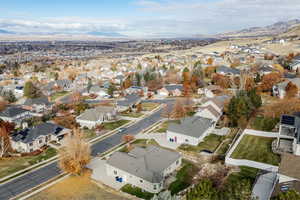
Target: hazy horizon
(142,18)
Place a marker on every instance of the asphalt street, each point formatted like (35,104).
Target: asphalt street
(32,179)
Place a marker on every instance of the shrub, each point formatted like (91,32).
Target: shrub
(265,123)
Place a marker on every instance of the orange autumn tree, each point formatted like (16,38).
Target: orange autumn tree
(280,107)
(187,89)
(178,110)
(5,129)
(269,80)
(291,90)
(220,80)
(75,153)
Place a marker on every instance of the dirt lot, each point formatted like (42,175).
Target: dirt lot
(76,188)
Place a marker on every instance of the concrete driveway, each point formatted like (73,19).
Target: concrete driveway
(99,174)
(160,138)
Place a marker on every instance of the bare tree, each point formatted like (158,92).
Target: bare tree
(75,153)
(5,129)
(178,110)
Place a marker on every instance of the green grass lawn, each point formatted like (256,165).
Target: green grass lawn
(183,178)
(132,114)
(114,125)
(257,149)
(137,192)
(89,134)
(58,94)
(140,143)
(210,142)
(164,126)
(11,165)
(149,106)
(227,141)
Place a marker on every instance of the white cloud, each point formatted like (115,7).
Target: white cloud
(171,18)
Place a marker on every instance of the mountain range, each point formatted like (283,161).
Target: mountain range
(270,30)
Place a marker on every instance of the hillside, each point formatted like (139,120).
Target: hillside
(294,31)
(270,30)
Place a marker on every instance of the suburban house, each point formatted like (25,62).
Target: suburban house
(170,90)
(279,89)
(145,168)
(15,114)
(96,90)
(136,90)
(190,130)
(92,117)
(228,71)
(37,105)
(288,139)
(210,91)
(33,138)
(128,102)
(53,86)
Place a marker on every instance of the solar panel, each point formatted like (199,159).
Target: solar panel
(288,120)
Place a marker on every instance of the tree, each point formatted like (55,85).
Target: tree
(89,86)
(202,191)
(127,138)
(5,129)
(138,79)
(111,89)
(178,110)
(220,80)
(167,112)
(242,106)
(30,91)
(76,97)
(9,96)
(280,107)
(288,195)
(75,153)
(291,90)
(269,80)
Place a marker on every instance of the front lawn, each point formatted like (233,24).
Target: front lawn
(140,143)
(13,164)
(138,192)
(256,148)
(184,178)
(114,125)
(148,106)
(58,94)
(164,126)
(132,114)
(76,187)
(210,142)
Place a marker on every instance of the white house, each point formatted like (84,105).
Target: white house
(210,91)
(279,89)
(93,117)
(288,139)
(15,114)
(190,130)
(209,112)
(145,168)
(32,139)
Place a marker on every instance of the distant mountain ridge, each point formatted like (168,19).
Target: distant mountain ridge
(270,30)
(6,32)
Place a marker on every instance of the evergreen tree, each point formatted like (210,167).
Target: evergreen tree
(30,91)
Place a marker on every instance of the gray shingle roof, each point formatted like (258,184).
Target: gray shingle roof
(129,100)
(147,163)
(38,101)
(30,134)
(191,126)
(228,70)
(96,113)
(173,87)
(12,111)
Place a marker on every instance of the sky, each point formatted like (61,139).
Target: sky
(143,18)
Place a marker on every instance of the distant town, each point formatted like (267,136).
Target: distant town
(165,119)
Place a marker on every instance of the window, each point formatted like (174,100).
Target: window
(186,140)
(177,162)
(31,150)
(31,144)
(141,181)
(154,187)
(115,172)
(40,141)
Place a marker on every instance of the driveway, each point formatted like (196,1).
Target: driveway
(160,138)
(99,174)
